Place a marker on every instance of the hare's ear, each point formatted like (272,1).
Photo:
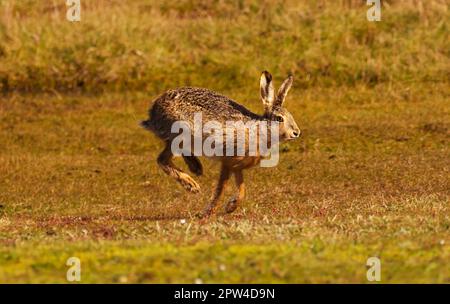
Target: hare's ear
(283,90)
(267,91)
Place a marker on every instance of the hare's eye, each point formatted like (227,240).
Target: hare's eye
(279,118)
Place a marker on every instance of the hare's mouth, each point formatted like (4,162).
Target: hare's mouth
(288,138)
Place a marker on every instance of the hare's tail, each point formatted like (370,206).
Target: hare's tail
(147,124)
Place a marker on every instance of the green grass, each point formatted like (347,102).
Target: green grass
(154,46)
(369,177)
(293,262)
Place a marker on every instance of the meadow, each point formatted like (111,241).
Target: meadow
(369,176)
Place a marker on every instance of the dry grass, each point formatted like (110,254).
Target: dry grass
(370,176)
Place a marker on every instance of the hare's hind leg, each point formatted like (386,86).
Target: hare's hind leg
(165,162)
(194,164)
(234,202)
(223,179)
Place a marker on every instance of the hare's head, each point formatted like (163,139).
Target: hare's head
(273,106)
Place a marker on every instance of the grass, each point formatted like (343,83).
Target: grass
(294,262)
(154,46)
(368,178)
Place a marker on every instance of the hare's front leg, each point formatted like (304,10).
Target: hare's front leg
(233,203)
(223,179)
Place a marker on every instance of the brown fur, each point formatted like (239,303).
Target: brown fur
(181,104)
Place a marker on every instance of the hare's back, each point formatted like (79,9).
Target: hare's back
(184,103)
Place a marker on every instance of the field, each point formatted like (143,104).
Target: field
(368,178)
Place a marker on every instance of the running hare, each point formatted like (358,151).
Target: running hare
(183,103)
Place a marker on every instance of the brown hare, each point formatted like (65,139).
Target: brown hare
(182,104)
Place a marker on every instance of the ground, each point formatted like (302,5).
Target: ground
(368,178)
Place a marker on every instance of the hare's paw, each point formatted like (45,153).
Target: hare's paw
(189,183)
(231,205)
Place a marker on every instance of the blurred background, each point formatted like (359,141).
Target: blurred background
(153,45)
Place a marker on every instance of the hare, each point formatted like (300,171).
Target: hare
(181,104)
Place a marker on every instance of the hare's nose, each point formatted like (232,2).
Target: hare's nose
(296,133)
